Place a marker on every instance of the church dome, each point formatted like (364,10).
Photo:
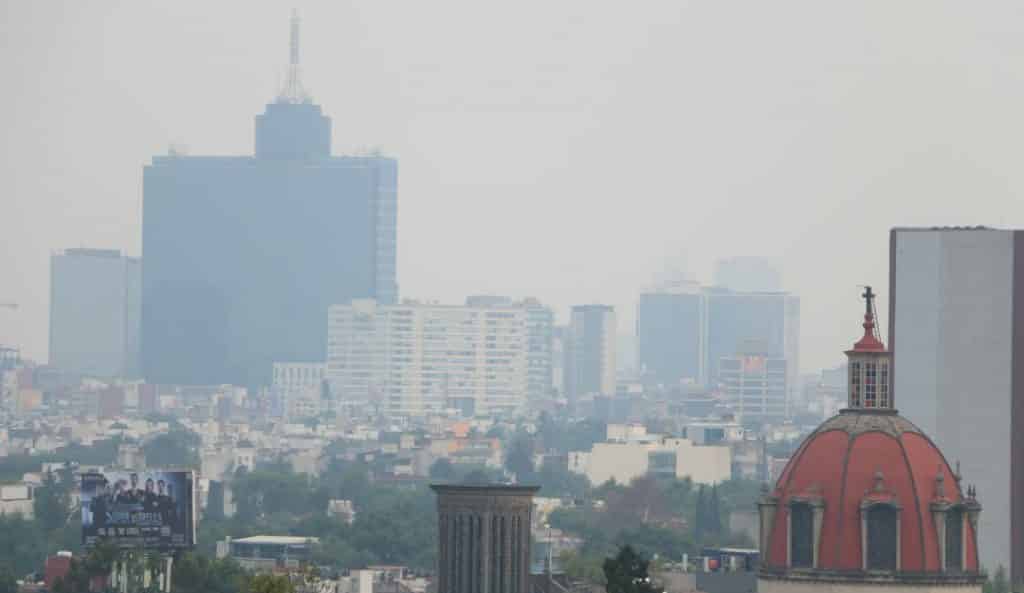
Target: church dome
(868,497)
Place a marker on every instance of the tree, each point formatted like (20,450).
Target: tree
(270,583)
(714,515)
(627,573)
(519,459)
(8,582)
(442,469)
(178,448)
(51,502)
(700,520)
(998,583)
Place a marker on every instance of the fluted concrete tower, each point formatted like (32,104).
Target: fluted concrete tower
(484,533)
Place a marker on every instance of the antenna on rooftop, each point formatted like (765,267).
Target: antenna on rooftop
(293,91)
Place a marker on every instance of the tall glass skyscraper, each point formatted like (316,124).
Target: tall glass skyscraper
(244,254)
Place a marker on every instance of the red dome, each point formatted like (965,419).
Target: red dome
(852,462)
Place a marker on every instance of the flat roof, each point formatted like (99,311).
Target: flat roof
(285,540)
(496,488)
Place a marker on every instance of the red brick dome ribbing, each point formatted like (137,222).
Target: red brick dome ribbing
(856,455)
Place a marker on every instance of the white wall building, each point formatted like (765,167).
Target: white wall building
(678,457)
(16,499)
(300,387)
(421,358)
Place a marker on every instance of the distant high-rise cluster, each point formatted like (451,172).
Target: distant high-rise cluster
(702,336)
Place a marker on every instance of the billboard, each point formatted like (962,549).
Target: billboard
(150,509)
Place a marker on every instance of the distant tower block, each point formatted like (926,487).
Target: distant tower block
(484,533)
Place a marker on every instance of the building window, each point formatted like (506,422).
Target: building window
(855,385)
(882,539)
(883,385)
(870,370)
(954,540)
(801,537)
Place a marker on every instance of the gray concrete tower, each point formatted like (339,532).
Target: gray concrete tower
(484,536)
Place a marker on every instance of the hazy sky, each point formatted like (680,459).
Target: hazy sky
(565,149)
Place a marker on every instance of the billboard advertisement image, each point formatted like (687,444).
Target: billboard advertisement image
(150,509)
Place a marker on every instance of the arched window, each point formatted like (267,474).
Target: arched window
(882,537)
(954,540)
(801,536)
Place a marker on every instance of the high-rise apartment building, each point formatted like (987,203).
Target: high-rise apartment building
(540,323)
(671,337)
(771,318)
(244,254)
(94,312)
(590,351)
(956,329)
(754,384)
(419,358)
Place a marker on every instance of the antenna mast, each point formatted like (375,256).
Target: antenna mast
(293,91)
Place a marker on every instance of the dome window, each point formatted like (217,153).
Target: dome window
(801,536)
(806,516)
(880,528)
(882,538)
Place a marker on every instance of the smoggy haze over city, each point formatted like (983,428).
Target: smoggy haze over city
(568,150)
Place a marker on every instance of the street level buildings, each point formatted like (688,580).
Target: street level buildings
(94,313)
(244,254)
(956,327)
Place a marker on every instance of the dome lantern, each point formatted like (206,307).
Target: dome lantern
(868,365)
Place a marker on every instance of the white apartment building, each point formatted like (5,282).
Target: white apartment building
(300,387)
(419,358)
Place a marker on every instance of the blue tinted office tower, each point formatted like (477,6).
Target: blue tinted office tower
(244,254)
(670,338)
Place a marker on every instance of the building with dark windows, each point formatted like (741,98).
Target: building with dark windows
(670,337)
(956,328)
(94,313)
(484,536)
(589,348)
(244,254)
(868,501)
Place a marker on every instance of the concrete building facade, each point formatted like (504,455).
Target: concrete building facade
(95,312)
(484,537)
(590,346)
(299,387)
(754,385)
(956,329)
(417,358)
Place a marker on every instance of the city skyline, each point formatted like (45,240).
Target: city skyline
(537,123)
